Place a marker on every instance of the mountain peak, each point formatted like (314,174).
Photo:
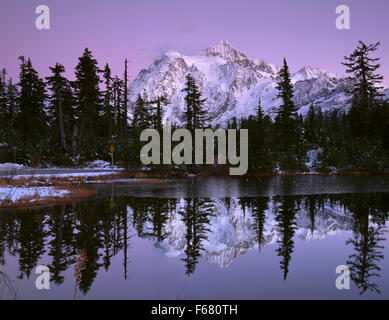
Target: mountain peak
(224,44)
(224,50)
(232,84)
(307,73)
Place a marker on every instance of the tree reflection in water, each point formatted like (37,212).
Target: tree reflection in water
(84,237)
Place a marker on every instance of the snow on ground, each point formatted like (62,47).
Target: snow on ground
(312,158)
(13,194)
(99,164)
(64,175)
(7,167)
(94,165)
(93,169)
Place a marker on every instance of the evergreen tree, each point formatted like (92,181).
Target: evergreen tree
(368,231)
(158,112)
(142,117)
(61,246)
(159,215)
(196,218)
(110,116)
(366,87)
(190,83)
(140,214)
(12,107)
(61,110)
(8,136)
(30,235)
(260,155)
(88,105)
(119,107)
(4,126)
(286,224)
(310,127)
(290,147)
(258,206)
(32,122)
(195,112)
(3,99)
(141,120)
(125,101)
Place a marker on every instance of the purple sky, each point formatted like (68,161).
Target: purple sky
(301,30)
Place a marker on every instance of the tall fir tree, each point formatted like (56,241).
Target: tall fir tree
(125,99)
(32,122)
(366,87)
(3,114)
(142,118)
(89,108)
(9,139)
(3,99)
(119,106)
(196,217)
(107,102)
(260,155)
(61,111)
(12,107)
(286,225)
(288,136)
(196,115)
(158,112)
(310,127)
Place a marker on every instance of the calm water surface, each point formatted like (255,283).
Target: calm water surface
(214,238)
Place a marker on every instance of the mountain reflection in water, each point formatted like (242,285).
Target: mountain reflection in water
(84,238)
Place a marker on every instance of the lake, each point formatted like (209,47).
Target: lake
(204,238)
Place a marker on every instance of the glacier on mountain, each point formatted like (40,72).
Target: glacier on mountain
(232,83)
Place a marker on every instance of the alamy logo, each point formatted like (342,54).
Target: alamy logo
(42,22)
(343,20)
(43,280)
(184,151)
(343,281)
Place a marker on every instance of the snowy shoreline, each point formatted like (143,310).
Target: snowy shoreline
(24,197)
(22,186)
(14,194)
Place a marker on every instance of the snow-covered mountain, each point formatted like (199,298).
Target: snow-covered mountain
(232,229)
(233,84)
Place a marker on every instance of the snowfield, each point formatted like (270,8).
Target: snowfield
(232,83)
(15,194)
(64,175)
(93,169)
(9,167)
